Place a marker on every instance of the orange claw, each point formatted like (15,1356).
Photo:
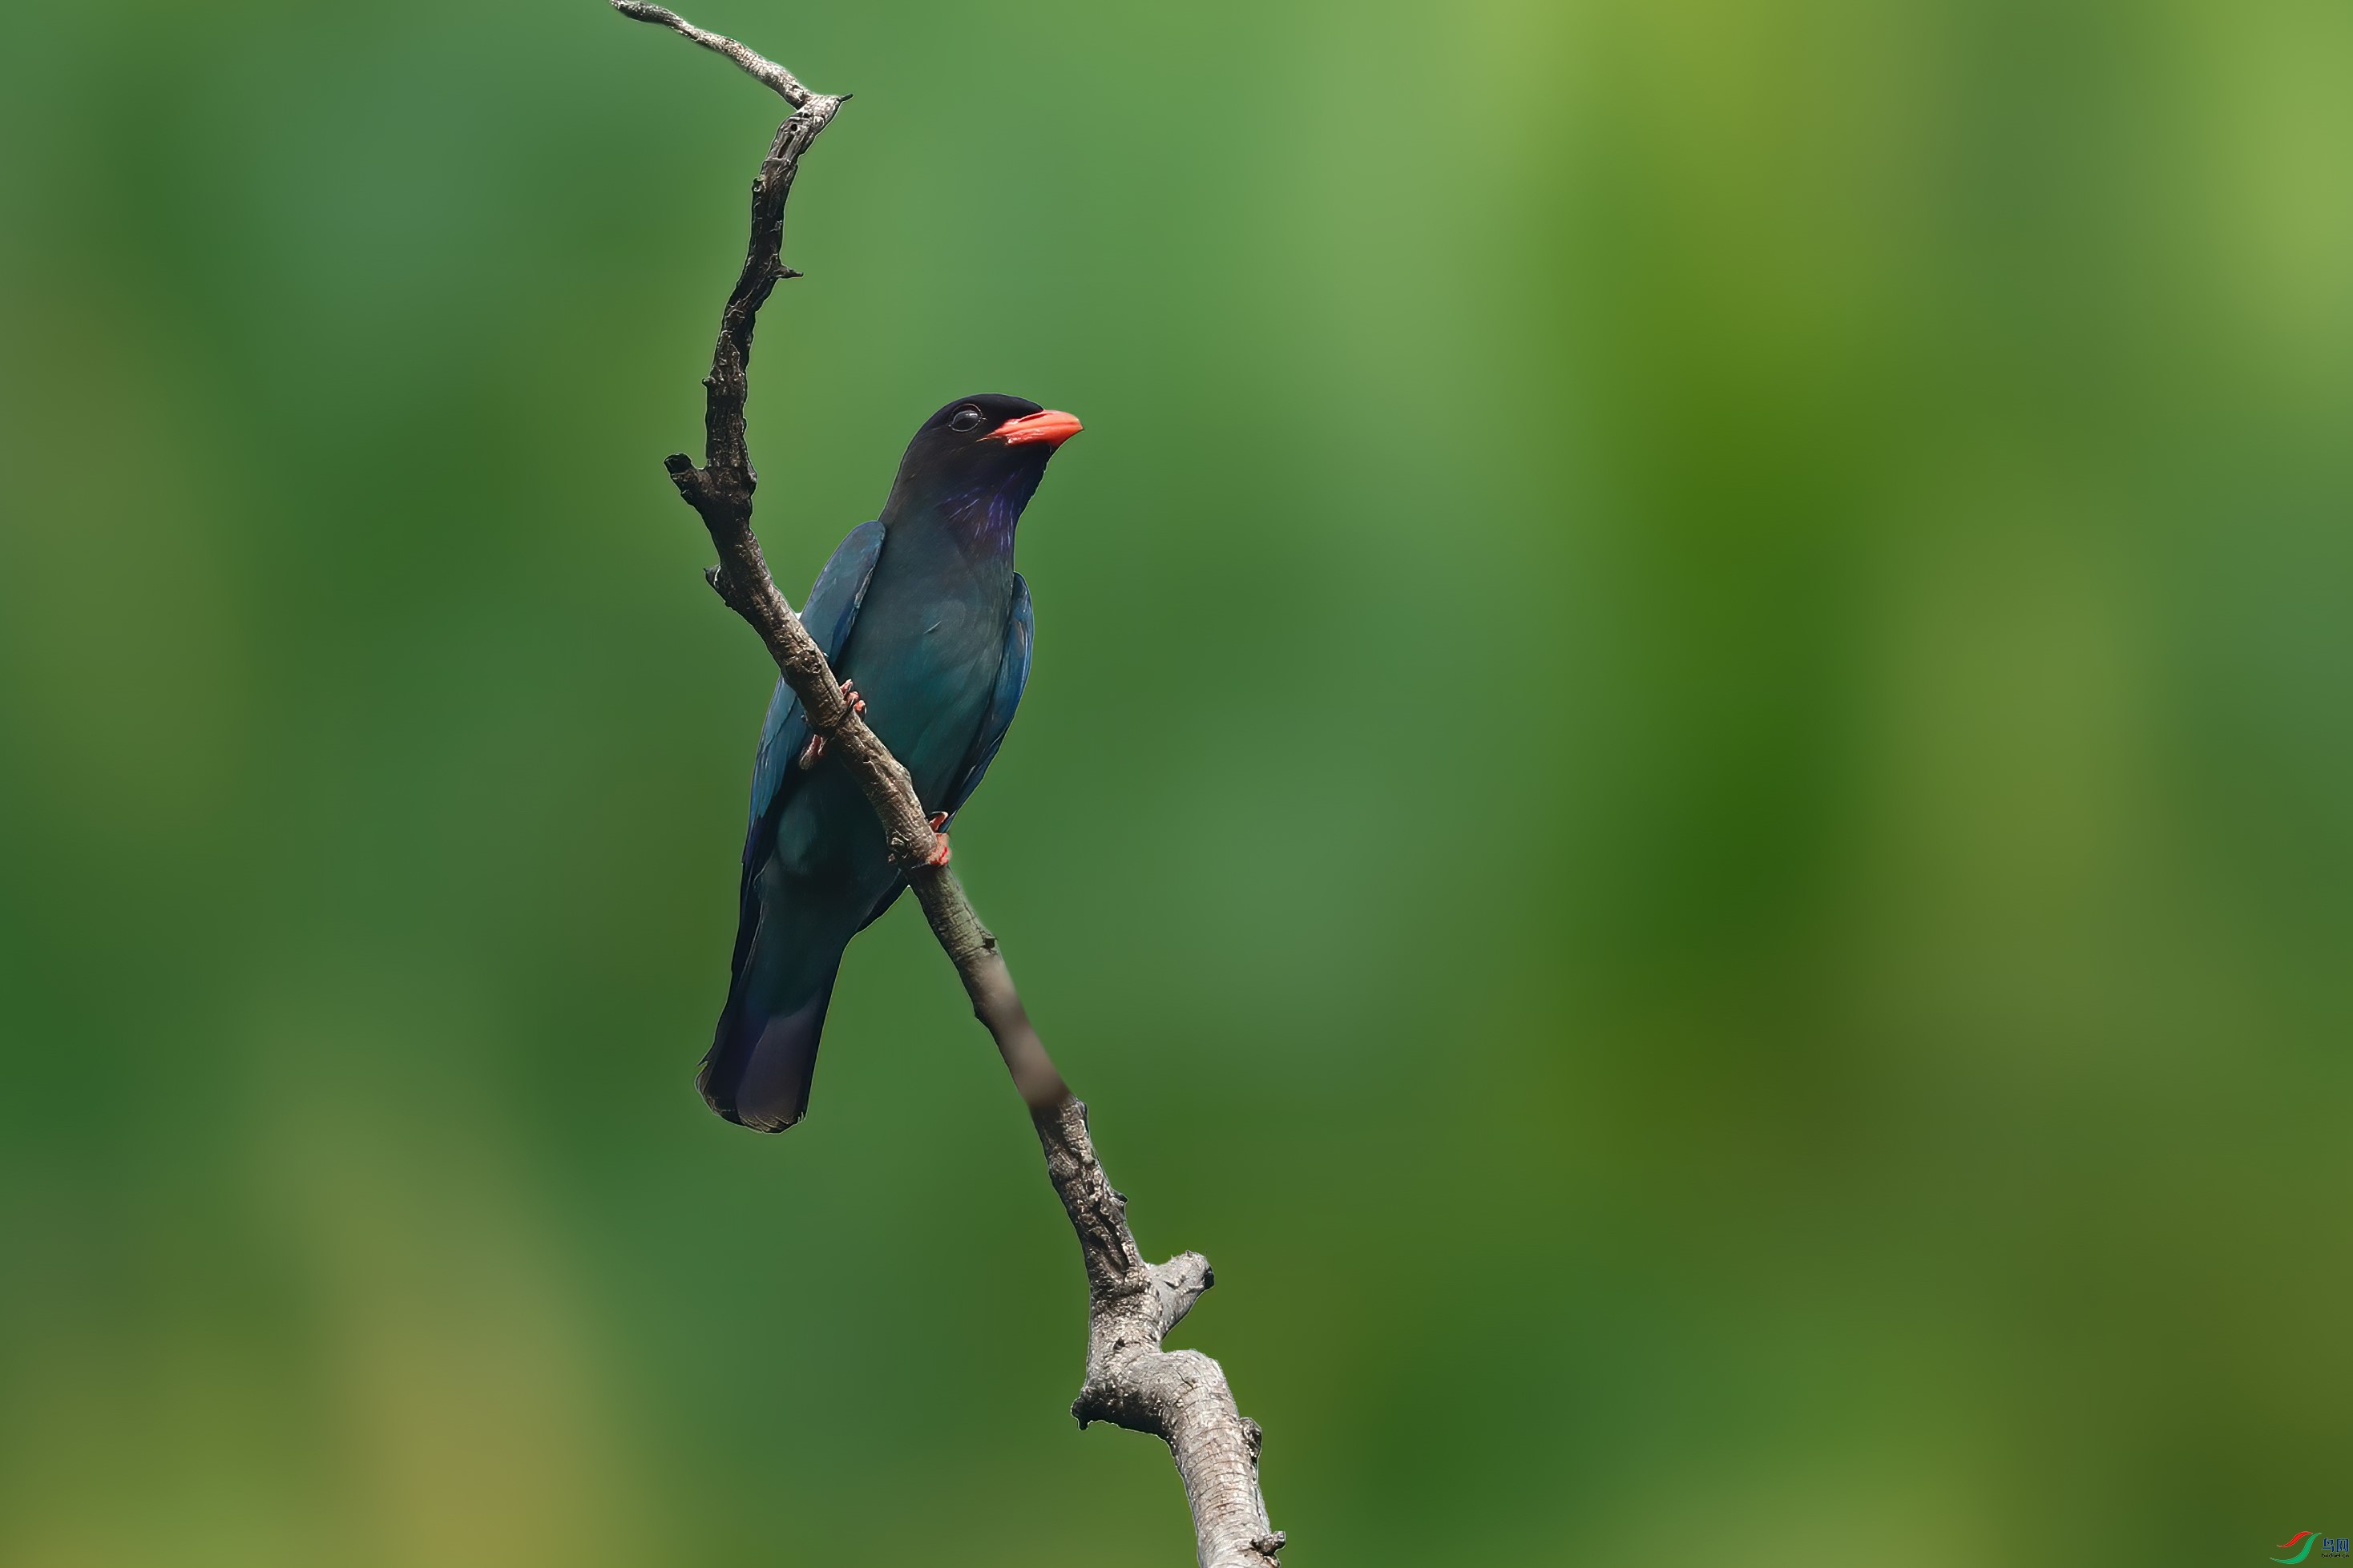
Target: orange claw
(814,752)
(940,849)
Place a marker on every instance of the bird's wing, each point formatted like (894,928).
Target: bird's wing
(762,1040)
(831,609)
(828,612)
(1012,675)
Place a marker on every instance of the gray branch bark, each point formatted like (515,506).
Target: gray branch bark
(1179,1396)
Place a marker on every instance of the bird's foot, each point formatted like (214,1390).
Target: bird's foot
(940,849)
(814,752)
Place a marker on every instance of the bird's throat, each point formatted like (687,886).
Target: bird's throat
(982,519)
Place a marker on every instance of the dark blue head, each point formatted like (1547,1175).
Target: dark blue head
(975,464)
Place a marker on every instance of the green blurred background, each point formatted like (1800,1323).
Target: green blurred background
(1688,793)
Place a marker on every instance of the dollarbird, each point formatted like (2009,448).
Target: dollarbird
(922,616)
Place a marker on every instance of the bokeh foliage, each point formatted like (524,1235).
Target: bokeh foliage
(1688,793)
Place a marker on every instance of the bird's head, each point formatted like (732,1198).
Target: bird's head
(978,460)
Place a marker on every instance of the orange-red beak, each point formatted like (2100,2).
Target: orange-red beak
(1050,425)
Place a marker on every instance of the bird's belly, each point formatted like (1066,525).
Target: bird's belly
(827,864)
(927,681)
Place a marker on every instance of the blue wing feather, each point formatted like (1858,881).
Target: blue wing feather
(831,611)
(828,612)
(1012,676)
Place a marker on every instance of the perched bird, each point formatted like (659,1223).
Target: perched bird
(922,615)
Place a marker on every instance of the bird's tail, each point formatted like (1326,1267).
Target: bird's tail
(760,1061)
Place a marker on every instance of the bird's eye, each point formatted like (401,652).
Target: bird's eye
(965,419)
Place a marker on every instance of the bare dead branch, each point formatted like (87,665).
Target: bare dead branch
(780,81)
(1180,1397)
